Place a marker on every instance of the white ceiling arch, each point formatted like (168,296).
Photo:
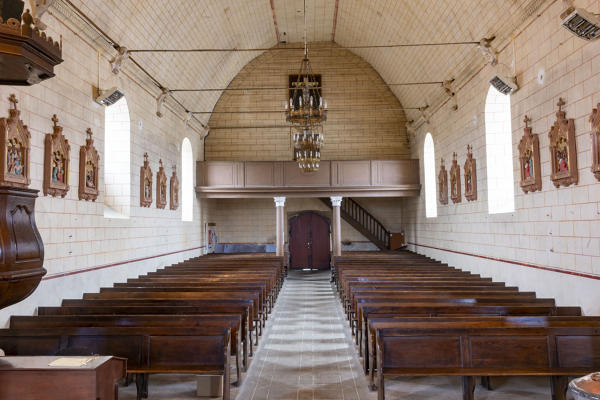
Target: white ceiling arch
(168,24)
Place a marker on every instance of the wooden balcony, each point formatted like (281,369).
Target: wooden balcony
(365,178)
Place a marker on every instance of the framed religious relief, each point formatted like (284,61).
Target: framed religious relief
(56,162)
(443,184)
(89,160)
(174,190)
(595,133)
(161,186)
(145,183)
(529,160)
(15,141)
(455,190)
(470,168)
(563,152)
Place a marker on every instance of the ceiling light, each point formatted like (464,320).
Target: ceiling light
(581,23)
(306,111)
(110,96)
(504,84)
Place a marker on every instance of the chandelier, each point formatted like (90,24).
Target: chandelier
(308,141)
(306,110)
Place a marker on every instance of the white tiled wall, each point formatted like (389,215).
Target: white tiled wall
(554,228)
(75,233)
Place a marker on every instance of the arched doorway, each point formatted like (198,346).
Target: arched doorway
(309,241)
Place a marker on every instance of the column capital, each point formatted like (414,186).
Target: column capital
(336,201)
(279,201)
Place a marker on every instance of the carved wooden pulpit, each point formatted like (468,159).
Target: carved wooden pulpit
(21,247)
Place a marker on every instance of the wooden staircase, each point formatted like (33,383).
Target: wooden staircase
(361,220)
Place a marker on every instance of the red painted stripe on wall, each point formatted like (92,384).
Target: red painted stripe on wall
(97,267)
(522,264)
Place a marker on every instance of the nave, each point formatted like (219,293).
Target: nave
(307,352)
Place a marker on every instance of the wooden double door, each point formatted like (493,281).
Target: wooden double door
(309,241)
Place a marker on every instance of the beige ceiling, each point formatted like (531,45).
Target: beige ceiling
(169,24)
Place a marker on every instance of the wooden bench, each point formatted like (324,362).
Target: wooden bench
(191,350)
(487,348)
(127,297)
(387,310)
(176,304)
(232,322)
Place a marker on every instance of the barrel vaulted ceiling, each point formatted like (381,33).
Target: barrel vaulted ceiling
(180,24)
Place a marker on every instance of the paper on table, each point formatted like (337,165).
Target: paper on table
(71,361)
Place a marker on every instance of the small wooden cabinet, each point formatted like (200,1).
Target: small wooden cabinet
(31,378)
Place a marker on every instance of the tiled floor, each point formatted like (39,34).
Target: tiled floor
(307,353)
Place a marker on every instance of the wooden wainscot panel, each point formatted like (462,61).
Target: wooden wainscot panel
(574,351)
(351,173)
(259,174)
(529,160)
(89,160)
(293,176)
(519,352)
(595,134)
(563,152)
(395,172)
(223,173)
(443,183)
(56,162)
(455,190)
(470,169)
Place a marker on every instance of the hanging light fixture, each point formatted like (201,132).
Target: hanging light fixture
(306,110)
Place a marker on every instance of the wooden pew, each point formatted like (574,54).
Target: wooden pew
(207,306)
(487,348)
(191,350)
(233,322)
(186,296)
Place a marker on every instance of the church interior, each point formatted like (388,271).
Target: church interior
(299,199)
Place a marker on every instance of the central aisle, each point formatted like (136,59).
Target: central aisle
(306,351)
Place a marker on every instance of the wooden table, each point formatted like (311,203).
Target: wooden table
(31,378)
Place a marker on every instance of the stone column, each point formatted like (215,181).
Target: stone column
(280,225)
(336,202)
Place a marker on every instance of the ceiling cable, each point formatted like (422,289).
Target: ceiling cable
(395,109)
(116,46)
(356,47)
(290,88)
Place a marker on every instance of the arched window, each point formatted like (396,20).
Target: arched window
(498,150)
(187,181)
(429,164)
(117,169)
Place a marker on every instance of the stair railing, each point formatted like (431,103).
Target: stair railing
(366,220)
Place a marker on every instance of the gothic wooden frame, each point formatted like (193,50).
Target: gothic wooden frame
(562,143)
(89,160)
(470,169)
(455,189)
(12,131)
(174,190)
(145,183)
(529,160)
(161,186)
(443,183)
(56,151)
(595,136)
